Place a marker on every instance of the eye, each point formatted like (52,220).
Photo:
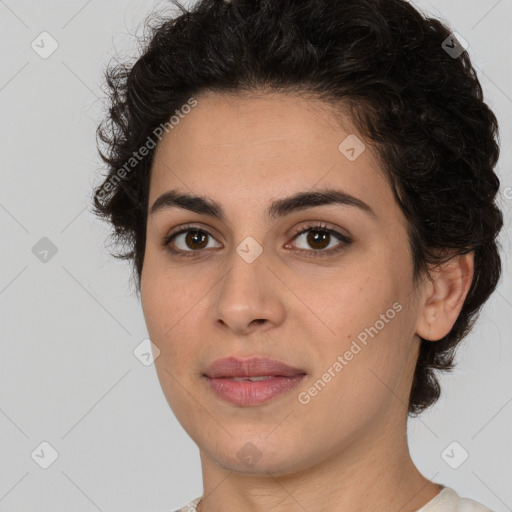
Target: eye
(321,239)
(188,240)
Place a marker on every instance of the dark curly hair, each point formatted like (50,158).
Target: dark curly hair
(404,79)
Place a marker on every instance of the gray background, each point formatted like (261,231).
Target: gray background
(69,325)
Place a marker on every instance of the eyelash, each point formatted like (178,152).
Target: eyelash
(303,229)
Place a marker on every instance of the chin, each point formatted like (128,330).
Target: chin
(258,456)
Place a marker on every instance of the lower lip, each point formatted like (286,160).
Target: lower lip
(252,392)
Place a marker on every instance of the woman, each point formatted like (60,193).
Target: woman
(307,191)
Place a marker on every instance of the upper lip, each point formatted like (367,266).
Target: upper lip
(254,367)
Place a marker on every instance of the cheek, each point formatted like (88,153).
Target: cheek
(164,308)
(351,298)
(367,311)
(358,377)
(168,314)
(165,295)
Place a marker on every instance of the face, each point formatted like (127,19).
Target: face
(322,285)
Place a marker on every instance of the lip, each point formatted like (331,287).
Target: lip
(254,367)
(283,378)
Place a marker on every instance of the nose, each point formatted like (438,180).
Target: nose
(248,297)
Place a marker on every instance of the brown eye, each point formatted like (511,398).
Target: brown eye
(196,239)
(189,240)
(317,239)
(320,240)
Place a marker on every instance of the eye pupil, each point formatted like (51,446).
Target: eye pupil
(194,236)
(316,237)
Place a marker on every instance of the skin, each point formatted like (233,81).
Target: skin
(244,152)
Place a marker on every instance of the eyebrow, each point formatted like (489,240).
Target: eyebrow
(278,208)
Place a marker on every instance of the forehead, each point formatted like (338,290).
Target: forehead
(263,144)
(245,120)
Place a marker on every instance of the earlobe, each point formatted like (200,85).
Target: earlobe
(444,296)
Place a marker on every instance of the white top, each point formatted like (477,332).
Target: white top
(449,501)
(446,501)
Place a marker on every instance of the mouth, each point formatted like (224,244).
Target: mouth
(253,381)
(256,367)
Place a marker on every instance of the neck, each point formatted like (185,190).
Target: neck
(373,473)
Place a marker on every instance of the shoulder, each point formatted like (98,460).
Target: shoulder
(449,501)
(468,505)
(190,507)
(460,504)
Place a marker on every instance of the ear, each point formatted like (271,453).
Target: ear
(444,296)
